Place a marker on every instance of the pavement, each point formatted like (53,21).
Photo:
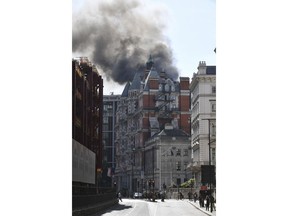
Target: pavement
(203,209)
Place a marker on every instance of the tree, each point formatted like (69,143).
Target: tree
(187,184)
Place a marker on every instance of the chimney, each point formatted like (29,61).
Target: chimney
(202,67)
(184,83)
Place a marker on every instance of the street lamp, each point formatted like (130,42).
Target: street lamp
(153,174)
(209,144)
(133,161)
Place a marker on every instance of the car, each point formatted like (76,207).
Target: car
(137,195)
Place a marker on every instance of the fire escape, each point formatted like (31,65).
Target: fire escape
(163,100)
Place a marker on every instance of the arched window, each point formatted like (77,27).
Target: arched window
(167,87)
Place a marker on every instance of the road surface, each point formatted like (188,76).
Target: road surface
(131,207)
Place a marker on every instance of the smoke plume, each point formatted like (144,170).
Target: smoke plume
(119,35)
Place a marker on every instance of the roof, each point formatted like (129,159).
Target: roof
(136,83)
(150,62)
(153,74)
(125,91)
(211,70)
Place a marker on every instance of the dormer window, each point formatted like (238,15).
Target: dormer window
(173,88)
(167,88)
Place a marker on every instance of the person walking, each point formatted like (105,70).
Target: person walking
(120,196)
(207,203)
(195,197)
(212,201)
(189,195)
(201,201)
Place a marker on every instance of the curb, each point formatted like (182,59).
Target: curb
(196,206)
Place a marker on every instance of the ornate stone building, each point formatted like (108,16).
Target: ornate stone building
(147,103)
(203,124)
(167,155)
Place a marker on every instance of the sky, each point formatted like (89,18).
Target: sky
(190,28)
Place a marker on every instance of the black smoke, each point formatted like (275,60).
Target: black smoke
(119,35)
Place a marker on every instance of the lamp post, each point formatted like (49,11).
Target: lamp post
(153,184)
(160,174)
(143,172)
(133,161)
(209,144)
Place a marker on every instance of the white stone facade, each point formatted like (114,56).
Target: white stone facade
(203,107)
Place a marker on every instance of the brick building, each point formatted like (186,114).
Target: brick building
(87,97)
(147,103)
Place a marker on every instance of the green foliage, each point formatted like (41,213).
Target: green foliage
(188,183)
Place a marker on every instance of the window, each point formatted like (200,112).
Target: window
(213,130)
(213,156)
(185,165)
(185,152)
(178,153)
(178,165)
(213,107)
(167,88)
(105,120)
(213,89)
(173,88)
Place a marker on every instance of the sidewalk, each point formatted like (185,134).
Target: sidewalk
(203,209)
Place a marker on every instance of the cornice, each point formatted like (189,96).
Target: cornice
(202,78)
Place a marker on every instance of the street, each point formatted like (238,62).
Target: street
(130,207)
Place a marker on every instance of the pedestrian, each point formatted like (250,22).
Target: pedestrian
(207,203)
(120,196)
(189,195)
(195,197)
(200,200)
(162,196)
(212,201)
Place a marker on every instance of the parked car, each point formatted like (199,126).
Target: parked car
(137,195)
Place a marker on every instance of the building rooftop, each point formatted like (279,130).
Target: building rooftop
(136,82)
(126,89)
(211,70)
